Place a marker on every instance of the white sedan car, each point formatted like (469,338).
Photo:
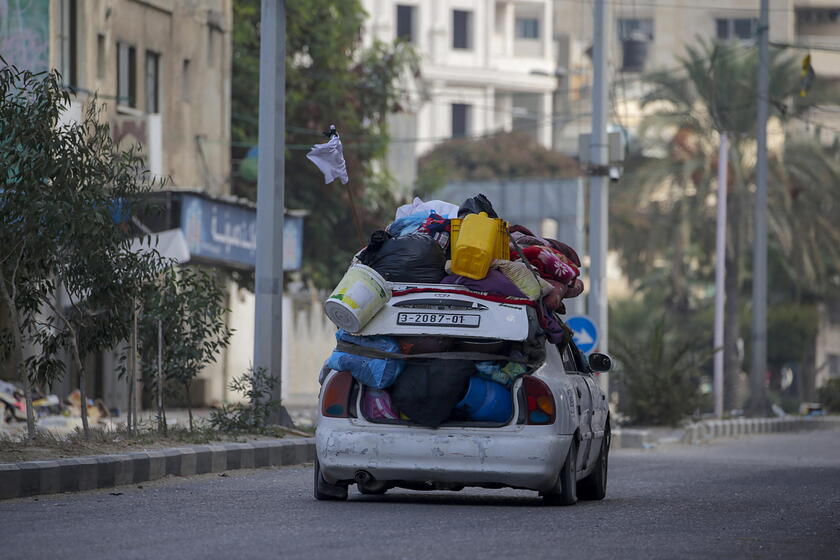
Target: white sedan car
(556,441)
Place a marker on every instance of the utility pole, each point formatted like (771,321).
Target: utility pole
(268,332)
(758,398)
(599,181)
(720,271)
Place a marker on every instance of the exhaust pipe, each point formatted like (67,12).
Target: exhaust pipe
(363,478)
(368,484)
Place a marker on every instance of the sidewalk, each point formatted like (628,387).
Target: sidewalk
(708,430)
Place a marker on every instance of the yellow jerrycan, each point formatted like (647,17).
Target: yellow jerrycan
(474,249)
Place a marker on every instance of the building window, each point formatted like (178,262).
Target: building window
(152,82)
(817,15)
(126,75)
(527,28)
(211,47)
(736,29)
(185,79)
(635,28)
(461,117)
(67,41)
(833,365)
(634,34)
(405,22)
(462,29)
(100,56)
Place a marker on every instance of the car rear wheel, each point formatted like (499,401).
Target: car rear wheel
(594,486)
(567,480)
(324,490)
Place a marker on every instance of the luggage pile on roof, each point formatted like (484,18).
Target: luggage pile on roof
(437,246)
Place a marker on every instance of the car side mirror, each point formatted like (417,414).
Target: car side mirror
(600,362)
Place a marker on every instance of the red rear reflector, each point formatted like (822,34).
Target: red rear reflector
(540,401)
(335,398)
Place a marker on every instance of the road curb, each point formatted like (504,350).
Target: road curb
(708,430)
(716,429)
(33,478)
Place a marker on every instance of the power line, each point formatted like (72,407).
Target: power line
(704,7)
(800,46)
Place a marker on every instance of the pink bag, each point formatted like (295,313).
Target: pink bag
(376,405)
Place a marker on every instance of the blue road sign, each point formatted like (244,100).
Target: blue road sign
(586,334)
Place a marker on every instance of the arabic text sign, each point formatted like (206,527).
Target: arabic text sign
(222,231)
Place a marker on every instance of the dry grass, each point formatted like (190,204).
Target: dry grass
(105,441)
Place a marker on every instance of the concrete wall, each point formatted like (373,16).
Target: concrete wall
(308,339)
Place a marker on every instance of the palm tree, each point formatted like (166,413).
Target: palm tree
(714,92)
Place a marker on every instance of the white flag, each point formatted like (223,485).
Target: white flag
(329,158)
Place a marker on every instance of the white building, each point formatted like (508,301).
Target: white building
(487,65)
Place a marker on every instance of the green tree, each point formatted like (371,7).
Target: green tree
(330,79)
(66,193)
(183,325)
(663,222)
(505,155)
(659,374)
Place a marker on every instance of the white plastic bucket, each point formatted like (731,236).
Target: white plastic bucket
(357,298)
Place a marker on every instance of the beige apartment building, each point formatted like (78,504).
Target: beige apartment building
(163,68)
(653,34)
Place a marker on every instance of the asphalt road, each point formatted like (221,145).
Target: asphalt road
(768,496)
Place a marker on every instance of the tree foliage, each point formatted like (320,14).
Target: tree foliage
(829,395)
(256,386)
(659,374)
(67,190)
(184,305)
(505,155)
(331,78)
(662,216)
(662,219)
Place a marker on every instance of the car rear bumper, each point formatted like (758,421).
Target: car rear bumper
(518,456)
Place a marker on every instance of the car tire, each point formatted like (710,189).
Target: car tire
(369,492)
(567,481)
(323,490)
(594,486)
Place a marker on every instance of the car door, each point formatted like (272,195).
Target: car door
(584,407)
(600,409)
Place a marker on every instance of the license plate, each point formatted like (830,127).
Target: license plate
(442,319)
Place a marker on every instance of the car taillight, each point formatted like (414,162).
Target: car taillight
(335,399)
(539,401)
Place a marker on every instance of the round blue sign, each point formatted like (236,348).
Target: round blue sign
(585,332)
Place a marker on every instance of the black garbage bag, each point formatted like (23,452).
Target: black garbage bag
(427,391)
(377,239)
(476,205)
(413,258)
